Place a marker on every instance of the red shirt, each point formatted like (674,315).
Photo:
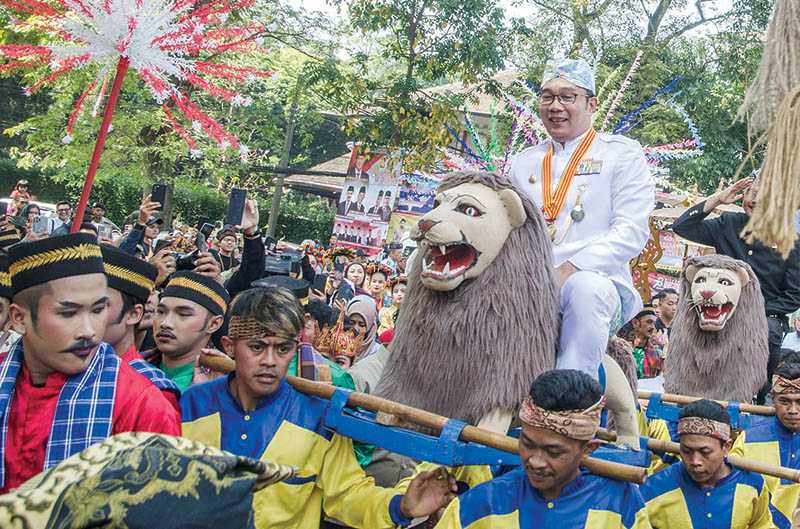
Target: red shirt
(138,407)
(131,355)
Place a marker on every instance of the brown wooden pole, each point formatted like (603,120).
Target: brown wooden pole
(669,447)
(684,399)
(435,422)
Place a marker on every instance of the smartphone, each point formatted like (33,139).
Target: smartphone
(206,229)
(201,243)
(103,232)
(320,280)
(236,207)
(41,225)
(159,193)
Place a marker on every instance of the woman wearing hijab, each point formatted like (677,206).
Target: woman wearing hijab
(361,314)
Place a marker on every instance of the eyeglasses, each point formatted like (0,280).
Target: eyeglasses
(564,99)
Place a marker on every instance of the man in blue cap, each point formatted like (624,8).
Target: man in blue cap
(596,194)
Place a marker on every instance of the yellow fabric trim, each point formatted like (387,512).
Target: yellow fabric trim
(744,503)
(502,521)
(72,253)
(282,506)
(5,279)
(201,289)
(130,276)
(784,496)
(669,510)
(206,430)
(9,237)
(604,519)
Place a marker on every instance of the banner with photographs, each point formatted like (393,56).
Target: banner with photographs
(369,195)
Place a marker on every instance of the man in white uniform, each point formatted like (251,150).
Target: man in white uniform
(596,194)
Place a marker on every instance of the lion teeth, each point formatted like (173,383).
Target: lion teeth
(443,249)
(446,269)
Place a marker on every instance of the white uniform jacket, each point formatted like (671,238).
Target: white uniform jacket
(617,194)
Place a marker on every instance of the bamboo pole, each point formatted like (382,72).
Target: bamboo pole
(435,422)
(683,399)
(669,447)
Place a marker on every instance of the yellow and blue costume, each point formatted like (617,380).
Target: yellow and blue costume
(738,501)
(510,502)
(769,441)
(287,428)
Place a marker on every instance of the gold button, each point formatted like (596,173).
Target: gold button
(550,505)
(244,437)
(246,417)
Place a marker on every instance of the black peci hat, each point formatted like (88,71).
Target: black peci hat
(39,262)
(128,274)
(198,288)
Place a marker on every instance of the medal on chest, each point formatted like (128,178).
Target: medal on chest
(554,200)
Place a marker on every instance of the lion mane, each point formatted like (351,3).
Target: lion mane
(466,352)
(730,364)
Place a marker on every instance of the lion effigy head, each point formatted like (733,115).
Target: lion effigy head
(715,293)
(461,237)
(718,345)
(471,341)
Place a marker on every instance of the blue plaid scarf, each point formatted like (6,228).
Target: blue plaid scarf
(156,376)
(84,411)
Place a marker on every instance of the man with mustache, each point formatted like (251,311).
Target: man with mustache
(596,193)
(130,282)
(192,308)
(254,412)
(703,490)
(779,278)
(61,389)
(549,489)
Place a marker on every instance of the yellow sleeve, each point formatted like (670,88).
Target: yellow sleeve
(762,517)
(471,475)
(642,520)
(738,445)
(451,519)
(348,494)
(657,429)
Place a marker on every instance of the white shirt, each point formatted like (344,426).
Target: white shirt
(791,341)
(617,193)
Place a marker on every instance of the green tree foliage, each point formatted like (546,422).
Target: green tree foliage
(419,43)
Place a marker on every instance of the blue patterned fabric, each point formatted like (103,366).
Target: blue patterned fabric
(156,376)
(84,411)
(576,71)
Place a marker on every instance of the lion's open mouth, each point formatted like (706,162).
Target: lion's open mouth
(714,313)
(448,261)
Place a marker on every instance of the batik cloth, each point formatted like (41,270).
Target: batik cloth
(142,480)
(576,71)
(703,426)
(84,411)
(575,424)
(511,502)
(782,385)
(738,501)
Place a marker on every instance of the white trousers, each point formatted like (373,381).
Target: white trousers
(589,303)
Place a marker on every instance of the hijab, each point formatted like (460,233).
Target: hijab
(365,307)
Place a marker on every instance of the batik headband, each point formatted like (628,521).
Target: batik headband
(782,386)
(575,424)
(249,328)
(703,426)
